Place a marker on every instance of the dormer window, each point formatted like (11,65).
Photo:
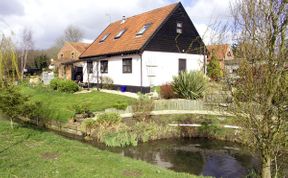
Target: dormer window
(104,37)
(144,29)
(120,34)
(179,27)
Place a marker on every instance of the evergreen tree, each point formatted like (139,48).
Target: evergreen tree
(214,70)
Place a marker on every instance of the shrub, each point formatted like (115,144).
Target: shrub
(83,109)
(142,108)
(209,129)
(62,85)
(156,89)
(54,83)
(36,111)
(12,102)
(190,85)
(166,91)
(120,105)
(108,119)
(107,83)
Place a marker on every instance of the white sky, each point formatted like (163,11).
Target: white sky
(48,18)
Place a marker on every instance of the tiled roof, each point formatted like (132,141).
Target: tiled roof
(129,41)
(80,47)
(218,50)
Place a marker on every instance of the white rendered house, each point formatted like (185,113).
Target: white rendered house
(145,50)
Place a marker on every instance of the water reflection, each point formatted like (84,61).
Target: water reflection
(195,156)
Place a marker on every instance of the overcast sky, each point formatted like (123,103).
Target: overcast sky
(48,18)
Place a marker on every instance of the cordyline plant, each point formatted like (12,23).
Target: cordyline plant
(260,95)
(190,85)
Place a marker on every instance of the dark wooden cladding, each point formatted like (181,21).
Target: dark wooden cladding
(168,40)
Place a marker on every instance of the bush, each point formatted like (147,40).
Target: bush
(209,129)
(190,85)
(83,109)
(120,105)
(36,112)
(108,119)
(166,91)
(107,83)
(12,102)
(54,83)
(156,89)
(142,108)
(62,85)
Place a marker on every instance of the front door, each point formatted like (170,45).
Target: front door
(78,74)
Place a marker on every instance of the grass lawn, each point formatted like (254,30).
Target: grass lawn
(61,104)
(25,152)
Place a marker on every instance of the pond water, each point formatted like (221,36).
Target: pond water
(195,156)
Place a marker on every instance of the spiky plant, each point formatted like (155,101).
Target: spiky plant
(190,85)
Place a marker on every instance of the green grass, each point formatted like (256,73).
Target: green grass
(26,152)
(60,104)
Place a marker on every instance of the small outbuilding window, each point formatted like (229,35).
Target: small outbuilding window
(104,37)
(179,27)
(127,65)
(120,34)
(104,66)
(144,29)
(90,67)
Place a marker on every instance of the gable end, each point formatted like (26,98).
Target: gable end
(167,39)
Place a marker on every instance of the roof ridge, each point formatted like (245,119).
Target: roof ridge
(149,11)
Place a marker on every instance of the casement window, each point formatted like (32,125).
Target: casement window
(104,67)
(127,65)
(120,34)
(182,65)
(90,67)
(144,29)
(104,38)
(179,28)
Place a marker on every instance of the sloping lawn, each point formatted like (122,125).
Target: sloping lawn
(60,105)
(25,152)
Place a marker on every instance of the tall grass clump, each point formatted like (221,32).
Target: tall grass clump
(142,108)
(190,85)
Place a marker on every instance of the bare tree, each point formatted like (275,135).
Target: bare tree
(261,97)
(73,34)
(27,45)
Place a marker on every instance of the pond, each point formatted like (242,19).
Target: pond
(195,156)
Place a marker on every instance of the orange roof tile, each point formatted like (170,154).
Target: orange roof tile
(128,41)
(80,47)
(218,50)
